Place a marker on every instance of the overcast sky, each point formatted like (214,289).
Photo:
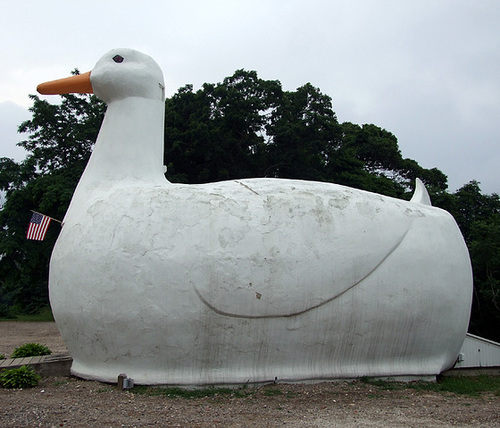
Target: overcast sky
(427,71)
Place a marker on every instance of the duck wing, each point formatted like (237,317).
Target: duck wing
(277,248)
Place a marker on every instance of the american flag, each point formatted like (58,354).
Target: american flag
(39,224)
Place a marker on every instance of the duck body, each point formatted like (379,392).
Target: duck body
(246,280)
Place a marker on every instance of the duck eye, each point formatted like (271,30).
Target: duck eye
(118,58)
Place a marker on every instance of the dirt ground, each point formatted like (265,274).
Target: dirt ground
(77,403)
(14,334)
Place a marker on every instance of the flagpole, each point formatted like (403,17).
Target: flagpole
(52,218)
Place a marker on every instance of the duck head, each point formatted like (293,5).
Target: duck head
(129,147)
(120,73)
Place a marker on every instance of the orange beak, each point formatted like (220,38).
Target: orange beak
(79,84)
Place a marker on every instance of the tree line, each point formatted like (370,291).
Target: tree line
(241,127)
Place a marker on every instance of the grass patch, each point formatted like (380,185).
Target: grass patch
(387,385)
(272,392)
(472,386)
(467,385)
(176,392)
(44,315)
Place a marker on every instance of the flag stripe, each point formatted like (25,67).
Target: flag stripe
(38,227)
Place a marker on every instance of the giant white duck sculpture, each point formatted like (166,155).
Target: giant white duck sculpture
(244,280)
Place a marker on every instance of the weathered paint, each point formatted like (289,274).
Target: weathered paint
(245,280)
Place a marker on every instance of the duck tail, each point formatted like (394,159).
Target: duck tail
(420,195)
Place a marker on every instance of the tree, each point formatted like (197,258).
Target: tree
(471,206)
(10,175)
(61,135)
(304,133)
(219,131)
(389,172)
(58,148)
(249,127)
(478,216)
(485,255)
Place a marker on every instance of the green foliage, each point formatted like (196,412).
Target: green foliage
(387,171)
(22,377)
(304,134)
(478,216)
(18,313)
(6,312)
(58,148)
(473,386)
(272,392)
(176,392)
(63,134)
(249,127)
(219,132)
(2,357)
(473,206)
(467,385)
(485,254)
(11,175)
(43,315)
(385,384)
(30,350)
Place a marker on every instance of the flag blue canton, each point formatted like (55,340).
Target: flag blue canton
(39,224)
(36,218)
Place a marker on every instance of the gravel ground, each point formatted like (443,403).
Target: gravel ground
(77,403)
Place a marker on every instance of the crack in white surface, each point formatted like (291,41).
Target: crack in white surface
(248,187)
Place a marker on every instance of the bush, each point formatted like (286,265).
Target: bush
(31,350)
(2,357)
(6,311)
(22,377)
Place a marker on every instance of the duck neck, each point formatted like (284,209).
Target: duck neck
(129,147)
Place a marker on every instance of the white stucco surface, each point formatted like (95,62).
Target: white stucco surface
(245,280)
